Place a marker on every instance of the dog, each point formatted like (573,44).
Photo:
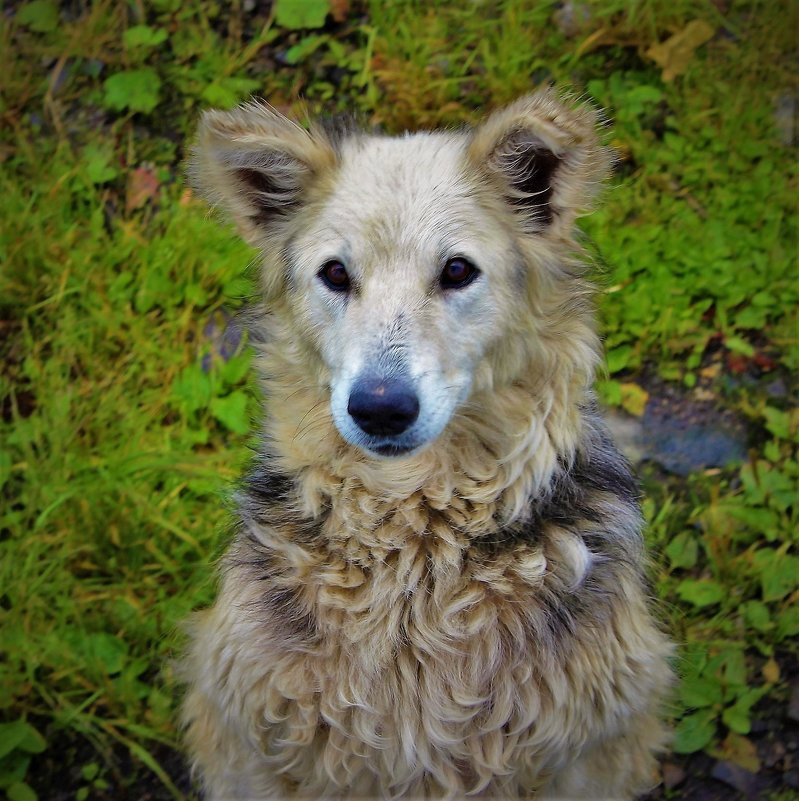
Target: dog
(437,583)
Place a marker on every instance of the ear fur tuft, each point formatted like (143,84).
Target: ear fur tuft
(546,158)
(256,164)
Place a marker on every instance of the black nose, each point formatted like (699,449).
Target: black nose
(383,406)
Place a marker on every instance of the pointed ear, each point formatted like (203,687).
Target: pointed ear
(545,157)
(256,164)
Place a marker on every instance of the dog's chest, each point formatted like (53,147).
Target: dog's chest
(421,666)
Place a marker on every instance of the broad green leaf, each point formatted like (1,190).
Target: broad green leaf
(97,162)
(19,735)
(108,650)
(304,48)
(693,660)
(788,622)
(779,573)
(734,667)
(301,13)
(645,94)
(21,792)
(751,317)
(40,16)
(700,692)
(11,735)
(137,90)
(231,411)
(738,716)
(758,519)
(771,450)
(144,36)
(192,388)
(197,437)
(618,358)
(236,368)
(239,288)
(227,92)
(738,345)
(700,592)
(156,289)
(756,615)
(90,771)
(694,732)
(195,294)
(610,392)
(683,550)
(14,768)
(32,742)
(781,487)
(778,422)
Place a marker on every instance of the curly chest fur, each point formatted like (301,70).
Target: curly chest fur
(471,664)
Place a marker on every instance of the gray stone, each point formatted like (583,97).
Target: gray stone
(673,775)
(737,777)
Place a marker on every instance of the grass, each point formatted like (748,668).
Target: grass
(126,404)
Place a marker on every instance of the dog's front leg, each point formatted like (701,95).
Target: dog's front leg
(618,769)
(223,747)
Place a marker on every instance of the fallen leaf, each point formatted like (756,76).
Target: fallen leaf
(339,9)
(142,186)
(771,672)
(674,55)
(736,363)
(633,399)
(765,363)
(740,751)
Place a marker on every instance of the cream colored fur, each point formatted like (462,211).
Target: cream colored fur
(425,626)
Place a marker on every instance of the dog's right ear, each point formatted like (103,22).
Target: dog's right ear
(256,164)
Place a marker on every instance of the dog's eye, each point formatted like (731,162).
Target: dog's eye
(458,273)
(334,274)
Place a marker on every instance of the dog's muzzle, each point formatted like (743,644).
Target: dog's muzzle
(383,407)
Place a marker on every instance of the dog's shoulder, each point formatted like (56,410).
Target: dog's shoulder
(594,491)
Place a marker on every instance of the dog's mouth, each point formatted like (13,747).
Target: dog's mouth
(392,449)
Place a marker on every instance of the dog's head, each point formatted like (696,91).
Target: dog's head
(413,266)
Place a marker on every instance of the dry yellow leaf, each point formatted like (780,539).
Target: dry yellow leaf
(339,9)
(736,748)
(771,672)
(633,399)
(674,55)
(143,186)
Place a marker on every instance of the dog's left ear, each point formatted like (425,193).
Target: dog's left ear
(545,157)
